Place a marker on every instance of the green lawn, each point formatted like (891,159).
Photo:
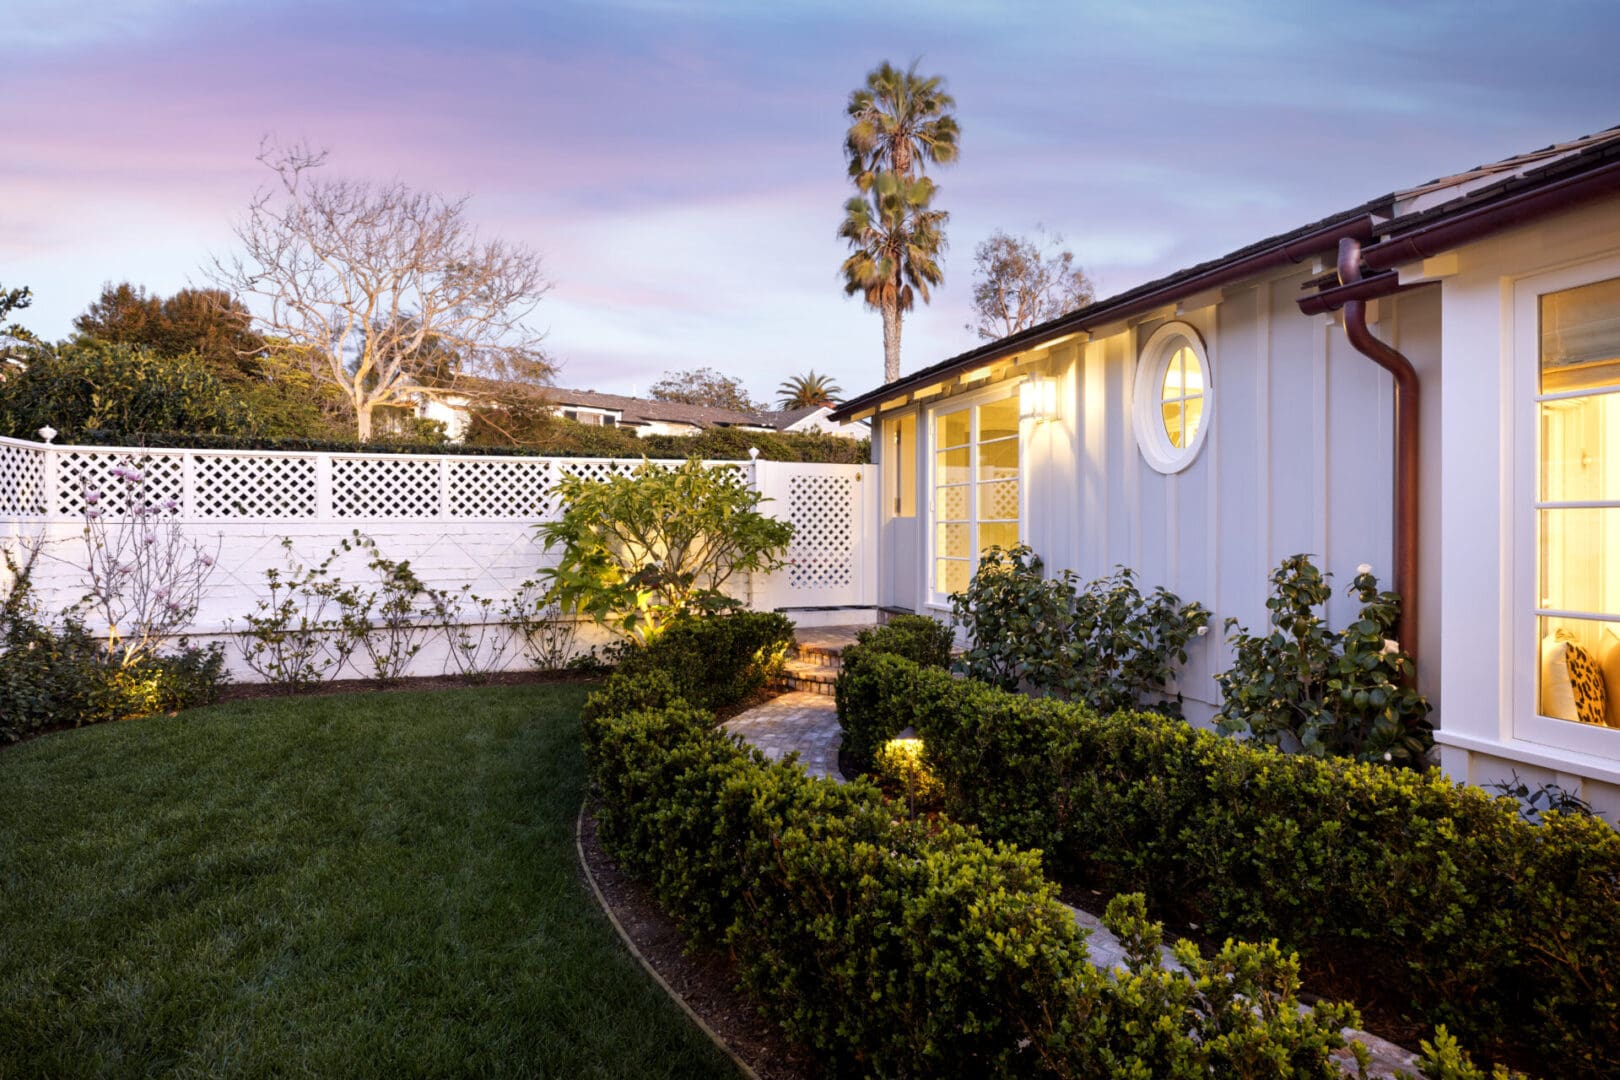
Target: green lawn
(365,885)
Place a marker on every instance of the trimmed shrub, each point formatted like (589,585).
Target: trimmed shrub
(873,706)
(1506,932)
(897,948)
(63,676)
(560,438)
(918,638)
(718,660)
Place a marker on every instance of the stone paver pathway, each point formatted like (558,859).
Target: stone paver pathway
(808,723)
(799,721)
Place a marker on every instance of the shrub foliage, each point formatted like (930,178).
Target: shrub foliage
(639,551)
(1506,932)
(893,948)
(1304,686)
(1103,643)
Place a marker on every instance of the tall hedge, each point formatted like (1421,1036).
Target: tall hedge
(1507,932)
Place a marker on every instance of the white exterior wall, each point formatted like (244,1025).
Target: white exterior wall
(1488,630)
(1298,459)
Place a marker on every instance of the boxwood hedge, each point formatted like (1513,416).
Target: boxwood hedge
(1505,931)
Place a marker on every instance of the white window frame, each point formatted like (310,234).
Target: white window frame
(1527,723)
(1148,397)
(937,598)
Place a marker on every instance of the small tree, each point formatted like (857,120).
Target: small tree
(704,386)
(1323,692)
(640,550)
(1017,284)
(375,285)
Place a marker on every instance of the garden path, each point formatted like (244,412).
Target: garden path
(805,721)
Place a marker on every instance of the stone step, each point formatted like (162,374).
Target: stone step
(810,677)
(819,655)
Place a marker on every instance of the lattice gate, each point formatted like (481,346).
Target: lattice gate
(832,559)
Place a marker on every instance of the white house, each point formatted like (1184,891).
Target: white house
(647,417)
(1428,382)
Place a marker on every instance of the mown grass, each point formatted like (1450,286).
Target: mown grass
(367,885)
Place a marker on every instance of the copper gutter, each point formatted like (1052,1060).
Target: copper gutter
(1454,230)
(1406,435)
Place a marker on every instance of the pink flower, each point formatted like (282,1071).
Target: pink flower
(91,496)
(207,560)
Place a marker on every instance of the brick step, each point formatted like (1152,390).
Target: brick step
(818,655)
(810,676)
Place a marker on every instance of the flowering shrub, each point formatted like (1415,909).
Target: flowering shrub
(639,551)
(146,577)
(1103,643)
(1308,688)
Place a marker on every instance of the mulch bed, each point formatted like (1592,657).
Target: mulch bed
(706,980)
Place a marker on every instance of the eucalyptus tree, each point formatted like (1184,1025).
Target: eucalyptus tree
(900,123)
(895,239)
(1018,283)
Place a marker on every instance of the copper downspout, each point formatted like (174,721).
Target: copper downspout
(1406,440)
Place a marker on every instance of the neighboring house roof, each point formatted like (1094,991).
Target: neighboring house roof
(1387,219)
(634,410)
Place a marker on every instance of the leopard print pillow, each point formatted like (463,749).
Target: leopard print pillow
(1586,679)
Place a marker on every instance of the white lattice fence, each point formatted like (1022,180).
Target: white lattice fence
(461,520)
(259,487)
(22,480)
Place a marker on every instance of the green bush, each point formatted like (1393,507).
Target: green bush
(1304,686)
(894,948)
(97,386)
(718,660)
(1103,643)
(872,704)
(1506,932)
(63,677)
(640,551)
(918,638)
(564,438)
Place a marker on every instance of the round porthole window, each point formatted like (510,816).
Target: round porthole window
(1173,396)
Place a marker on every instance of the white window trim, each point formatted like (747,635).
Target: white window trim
(932,596)
(1148,421)
(1524,639)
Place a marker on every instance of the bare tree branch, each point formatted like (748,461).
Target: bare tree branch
(390,294)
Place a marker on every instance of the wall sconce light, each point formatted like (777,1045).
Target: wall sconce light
(1037,399)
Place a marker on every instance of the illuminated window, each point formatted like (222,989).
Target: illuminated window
(901,474)
(1577,507)
(975,488)
(1173,394)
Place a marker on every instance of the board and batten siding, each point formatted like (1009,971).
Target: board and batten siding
(1298,459)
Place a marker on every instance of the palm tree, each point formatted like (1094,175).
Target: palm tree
(895,240)
(809,391)
(900,123)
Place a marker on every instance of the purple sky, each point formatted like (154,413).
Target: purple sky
(678,162)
